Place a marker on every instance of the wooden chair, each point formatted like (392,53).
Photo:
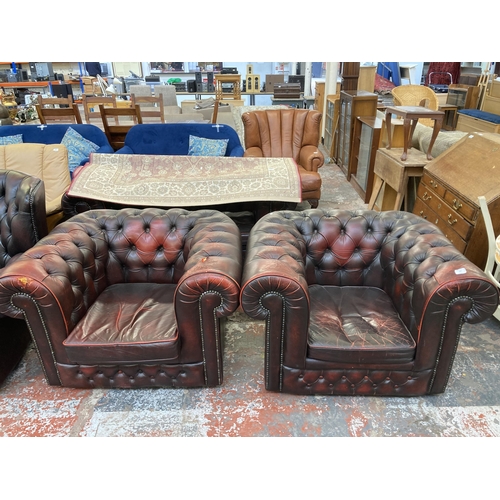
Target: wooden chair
(151,107)
(216,111)
(492,267)
(92,102)
(55,102)
(48,114)
(116,133)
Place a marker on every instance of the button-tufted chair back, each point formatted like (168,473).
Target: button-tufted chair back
(137,247)
(345,248)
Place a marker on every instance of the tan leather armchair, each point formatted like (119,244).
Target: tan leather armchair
(47,162)
(288,133)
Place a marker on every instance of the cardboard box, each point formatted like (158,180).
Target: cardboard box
(271,80)
(88,80)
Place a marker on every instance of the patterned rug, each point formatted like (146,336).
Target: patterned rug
(186,181)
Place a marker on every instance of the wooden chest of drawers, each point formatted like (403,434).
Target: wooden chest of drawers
(449,188)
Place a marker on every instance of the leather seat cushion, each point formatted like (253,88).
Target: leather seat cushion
(357,324)
(310,181)
(129,322)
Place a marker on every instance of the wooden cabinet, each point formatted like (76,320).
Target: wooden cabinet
(462,96)
(366,141)
(349,72)
(449,189)
(331,120)
(366,79)
(352,103)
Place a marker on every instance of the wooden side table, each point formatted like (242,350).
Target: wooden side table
(410,116)
(235,80)
(392,178)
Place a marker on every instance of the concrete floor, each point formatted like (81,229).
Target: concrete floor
(242,407)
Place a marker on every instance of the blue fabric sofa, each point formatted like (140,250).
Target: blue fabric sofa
(173,138)
(481,115)
(54,133)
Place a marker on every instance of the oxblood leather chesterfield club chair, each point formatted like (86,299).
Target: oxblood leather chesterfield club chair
(288,133)
(23,222)
(360,303)
(129,298)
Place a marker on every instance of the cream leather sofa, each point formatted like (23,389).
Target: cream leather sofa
(48,162)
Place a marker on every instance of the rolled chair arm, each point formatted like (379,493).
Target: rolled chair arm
(436,289)
(208,290)
(254,151)
(274,289)
(237,151)
(125,150)
(50,286)
(213,266)
(105,149)
(311,158)
(471,299)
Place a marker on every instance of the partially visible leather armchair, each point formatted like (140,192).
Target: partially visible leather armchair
(22,223)
(129,298)
(360,303)
(288,133)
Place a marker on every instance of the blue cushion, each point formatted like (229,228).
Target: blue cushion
(199,146)
(78,148)
(481,115)
(11,139)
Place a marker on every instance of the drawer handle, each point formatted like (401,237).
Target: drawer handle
(433,184)
(426,197)
(451,222)
(457,205)
(422,214)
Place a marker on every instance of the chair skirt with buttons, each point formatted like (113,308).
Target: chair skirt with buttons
(129,298)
